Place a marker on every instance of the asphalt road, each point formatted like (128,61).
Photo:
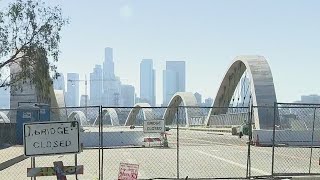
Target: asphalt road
(201,155)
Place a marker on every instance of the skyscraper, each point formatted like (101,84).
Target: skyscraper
(96,82)
(72,89)
(127,95)
(174,79)
(58,84)
(111,83)
(147,82)
(108,64)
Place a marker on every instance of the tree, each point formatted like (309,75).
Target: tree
(30,37)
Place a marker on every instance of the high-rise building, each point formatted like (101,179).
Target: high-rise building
(127,95)
(96,82)
(4,98)
(174,79)
(108,64)
(111,83)
(147,82)
(198,98)
(72,89)
(58,84)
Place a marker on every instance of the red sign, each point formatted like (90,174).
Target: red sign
(128,171)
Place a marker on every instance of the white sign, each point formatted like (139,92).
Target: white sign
(153,126)
(128,171)
(50,138)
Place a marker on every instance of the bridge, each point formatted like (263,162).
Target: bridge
(258,90)
(248,81)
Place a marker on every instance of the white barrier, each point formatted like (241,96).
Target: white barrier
(112,137)
(286,137)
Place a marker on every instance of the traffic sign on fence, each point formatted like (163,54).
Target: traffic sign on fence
(153,126)
(50,138)
(128,171)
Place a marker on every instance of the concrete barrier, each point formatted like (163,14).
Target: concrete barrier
(112,137)
(224,130)
(286,137)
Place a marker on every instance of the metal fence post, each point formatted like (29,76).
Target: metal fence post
(312,139)
(99,148)
(101,141)
(33,165)
(273,138)
(178,142)
(76,163)
(250,112)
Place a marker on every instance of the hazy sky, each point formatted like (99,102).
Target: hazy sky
(207,34)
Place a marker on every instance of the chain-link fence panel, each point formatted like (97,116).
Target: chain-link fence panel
(315,158)
(129,142)
(13,162)
(11,151)
(296,139)
(260,156)
(212,148)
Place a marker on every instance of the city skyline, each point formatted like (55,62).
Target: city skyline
(206,39)
(105,88)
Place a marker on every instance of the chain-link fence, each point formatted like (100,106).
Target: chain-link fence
(297,139)
(14,164)
(212,151)
(198,142)
(125,141)
(260,151)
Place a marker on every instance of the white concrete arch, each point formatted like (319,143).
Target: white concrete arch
(262,89)
(4,118)
(146,110)
(78,116)
(188,99)
(113,116)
